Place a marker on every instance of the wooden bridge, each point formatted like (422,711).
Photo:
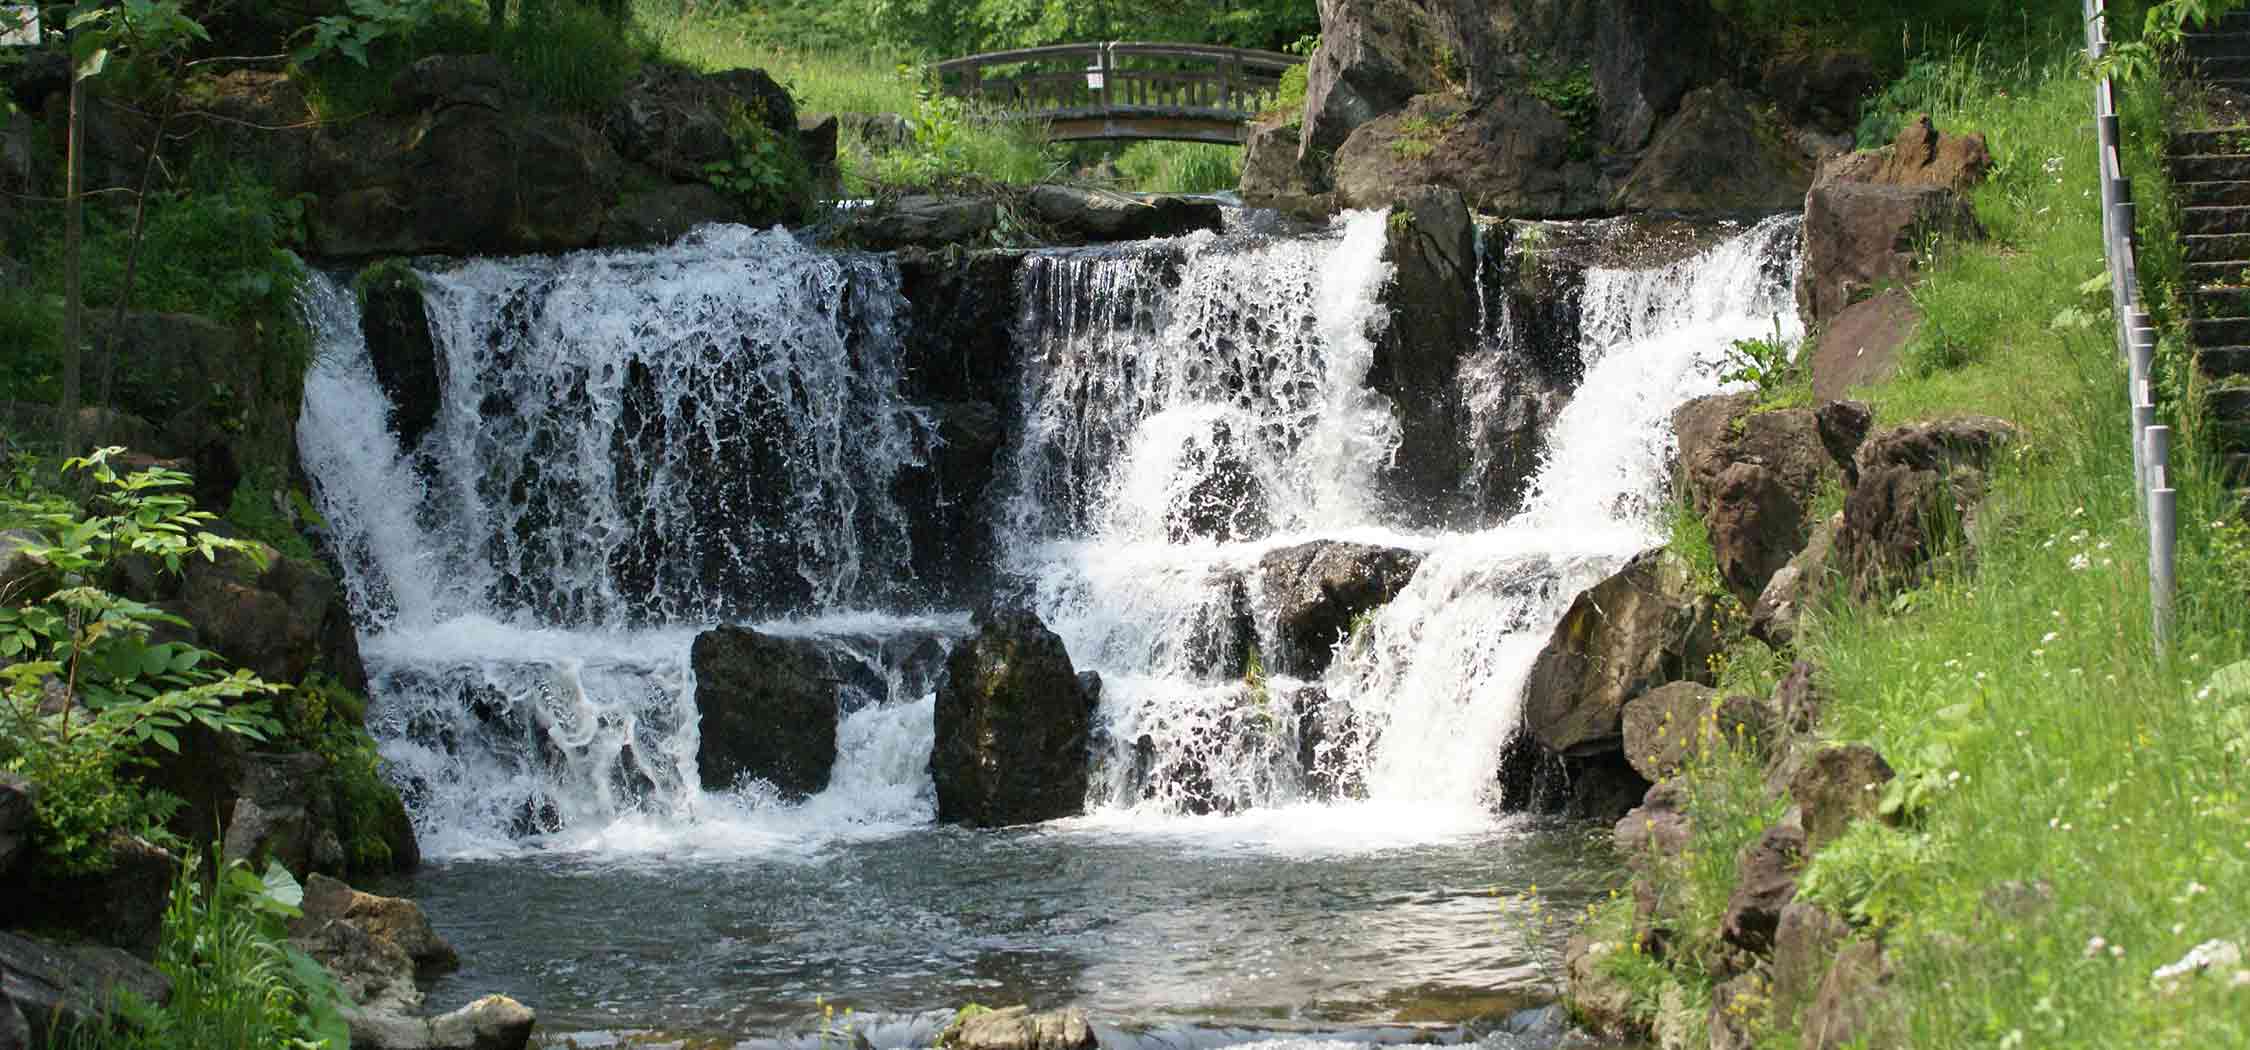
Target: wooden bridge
(1186,92)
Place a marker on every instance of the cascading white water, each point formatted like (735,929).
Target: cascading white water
(1157,583)
(632,446)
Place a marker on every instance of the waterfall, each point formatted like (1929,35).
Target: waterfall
(629,447)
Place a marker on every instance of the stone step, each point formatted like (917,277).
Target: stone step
(2219,362)
(2217,247)
(2219,67)
(2231,22)
(2217,273)
(2210,167)
(2214,195)
(2221,303)
(2217,45)
(2234,470)
(2234,84)
(2229,410)
(2220,331)
(2217,142)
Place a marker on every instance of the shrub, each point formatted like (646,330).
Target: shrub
(88,692)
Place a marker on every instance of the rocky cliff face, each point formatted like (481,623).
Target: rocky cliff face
(1557,108)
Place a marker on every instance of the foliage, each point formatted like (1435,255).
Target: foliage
(89,692)
(363,26)
(237,982)
(951,143)
(574,57)
(256,508)
(767,172)
(31,326)
(569,54)
(323,715)
(1723,794)
(1180,167)
(1570,93)
(1768,365)
(140,27)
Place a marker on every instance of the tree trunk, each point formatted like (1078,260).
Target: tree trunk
(74,295)
(108,350)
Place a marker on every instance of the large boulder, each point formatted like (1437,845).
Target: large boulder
(1514,155)
(1084,216)
(1317,590)
(1648,54)
(1765,882)
(1274,167)
(1432,306)
(1800,585)
(285,813)
(1921,155)
(1919,491)
(1753,476)
(1639,629)
(48,991)
(1667,726)
(1013,726)
(1718,155)
(1863,343)
(278,621)
(663,214)
(678,122)
(1853,1007)
(768,707)
(395,919)
(1819,88)
(494,1022)
(1374,55)
(920,220)
(1806,940)
(1658,827)
(1861,237)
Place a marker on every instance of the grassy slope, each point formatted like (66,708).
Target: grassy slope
(2025,697)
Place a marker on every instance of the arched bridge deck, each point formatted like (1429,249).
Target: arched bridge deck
(1123,90)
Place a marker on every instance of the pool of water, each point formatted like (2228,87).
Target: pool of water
(1307,920)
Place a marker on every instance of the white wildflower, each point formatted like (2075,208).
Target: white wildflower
(2080,563)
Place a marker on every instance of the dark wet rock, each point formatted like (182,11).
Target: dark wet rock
(119,906)
(1718,155)
(666,213)
(1083,216)
(768,707)
(676,121)
(1837,787)
(49,990)
(18,800)
(494,1022)
(1753,476)
(1919,492)
(1226,502)
(945,494)
(1316,592)
(1328,733)
(1765,882)
(1799,586)
(275,621)
(400,346)
(1017,1028)
(1012,727)
(920,221)
(1374,55)
(1805,942)
(395,919)
(1637,630)
(1432,306)
(816,141)
(960,338)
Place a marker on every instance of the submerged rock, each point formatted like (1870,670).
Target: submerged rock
(768,707)
(1013,726)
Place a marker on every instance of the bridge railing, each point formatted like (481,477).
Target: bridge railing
(2136,338)
(1120,79)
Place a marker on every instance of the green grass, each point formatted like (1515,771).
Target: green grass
(2040,734)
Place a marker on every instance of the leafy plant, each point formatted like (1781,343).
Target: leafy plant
(88,692)
(1768,365)
(362,26)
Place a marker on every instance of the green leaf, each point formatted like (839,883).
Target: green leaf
(281,887)
(165,739)
(92,65)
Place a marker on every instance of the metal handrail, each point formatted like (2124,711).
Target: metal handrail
(2158,501)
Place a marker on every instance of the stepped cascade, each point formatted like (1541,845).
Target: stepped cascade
(628,448)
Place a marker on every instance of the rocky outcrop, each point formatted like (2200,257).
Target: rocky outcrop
(920,220)
(1275,172)
(1753,476)
(19,799)
(1374,55)
(1017,1028)
(1716,156)
(1084,216)
(1658,827)
(1872,216)
(48,991)
(1765,882)
(377,947)
(1317,590)
(1809,577)
(278,621)
(1919,491)
(1432,306)
(1013,725)
(394,919)
(1851,1009)
(768,707)
(1667,726)
(1639,629)
(396,324)
(1511,155)
(1819,88)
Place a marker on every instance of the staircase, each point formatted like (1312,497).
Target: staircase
(2211,169)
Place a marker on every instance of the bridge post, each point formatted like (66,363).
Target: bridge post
(1109,82)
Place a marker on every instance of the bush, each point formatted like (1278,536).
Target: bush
(1180,167)
(89,693)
